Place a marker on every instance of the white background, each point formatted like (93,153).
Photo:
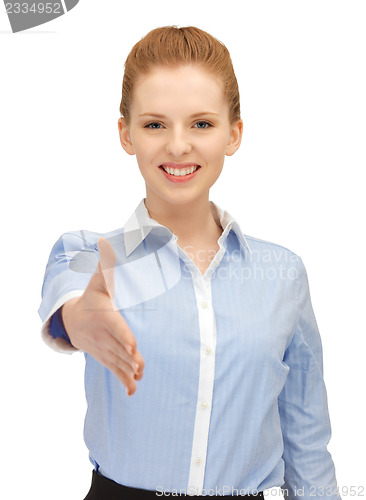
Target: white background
(297,180)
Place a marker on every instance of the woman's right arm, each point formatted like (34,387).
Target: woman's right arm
(95,326)
(92,322)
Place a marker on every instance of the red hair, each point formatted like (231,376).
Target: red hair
(172,46)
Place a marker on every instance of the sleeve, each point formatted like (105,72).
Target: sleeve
(303,408)
(57,327)
(70,266)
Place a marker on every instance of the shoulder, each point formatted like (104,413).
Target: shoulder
(264,249)
(79,249)
(276,263)
(84,238)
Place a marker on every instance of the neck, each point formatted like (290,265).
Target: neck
(192,223)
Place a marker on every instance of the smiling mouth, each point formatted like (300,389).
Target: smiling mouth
(180,172)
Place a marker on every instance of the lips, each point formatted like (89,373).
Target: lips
(179,165)
(191,165)
(180,178)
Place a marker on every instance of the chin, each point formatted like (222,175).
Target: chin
(174,197)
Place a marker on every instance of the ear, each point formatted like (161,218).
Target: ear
(235,138)
(124,136)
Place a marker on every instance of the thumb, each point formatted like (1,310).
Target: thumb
(103,277)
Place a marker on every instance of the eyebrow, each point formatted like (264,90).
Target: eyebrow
(192,116)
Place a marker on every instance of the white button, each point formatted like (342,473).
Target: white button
(204,304)
(229,227)
(204,404)
(208,350)
(198,461)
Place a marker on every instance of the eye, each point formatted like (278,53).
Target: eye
(204,123)
(152,125)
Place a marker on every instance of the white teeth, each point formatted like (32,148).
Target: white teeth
(180,171)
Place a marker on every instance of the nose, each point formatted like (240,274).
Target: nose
(178,142)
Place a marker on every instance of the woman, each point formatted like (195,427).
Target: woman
(211,331)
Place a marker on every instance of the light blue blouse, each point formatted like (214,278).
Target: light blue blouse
(233,399)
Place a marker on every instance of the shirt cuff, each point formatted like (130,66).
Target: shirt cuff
(59,343)
(57,327)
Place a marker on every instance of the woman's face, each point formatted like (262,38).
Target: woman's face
(179,117)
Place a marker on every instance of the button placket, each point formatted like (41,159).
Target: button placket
(207,328)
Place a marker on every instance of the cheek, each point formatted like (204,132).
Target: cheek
(215,148)
(144,148)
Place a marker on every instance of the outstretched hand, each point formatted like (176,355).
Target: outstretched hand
(94,324)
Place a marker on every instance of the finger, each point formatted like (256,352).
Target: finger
(118,327)
(107,264)
(126,376)
(103,278)
(139,360)
(138,376)
(97,282)
(106,353)
(132,366)
(127,381)
(115,364)
(121,357)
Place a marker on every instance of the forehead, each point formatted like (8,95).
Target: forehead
(186,86)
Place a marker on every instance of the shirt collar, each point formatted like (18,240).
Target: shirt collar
(139,225)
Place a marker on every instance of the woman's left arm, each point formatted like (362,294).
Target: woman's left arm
(303,408)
